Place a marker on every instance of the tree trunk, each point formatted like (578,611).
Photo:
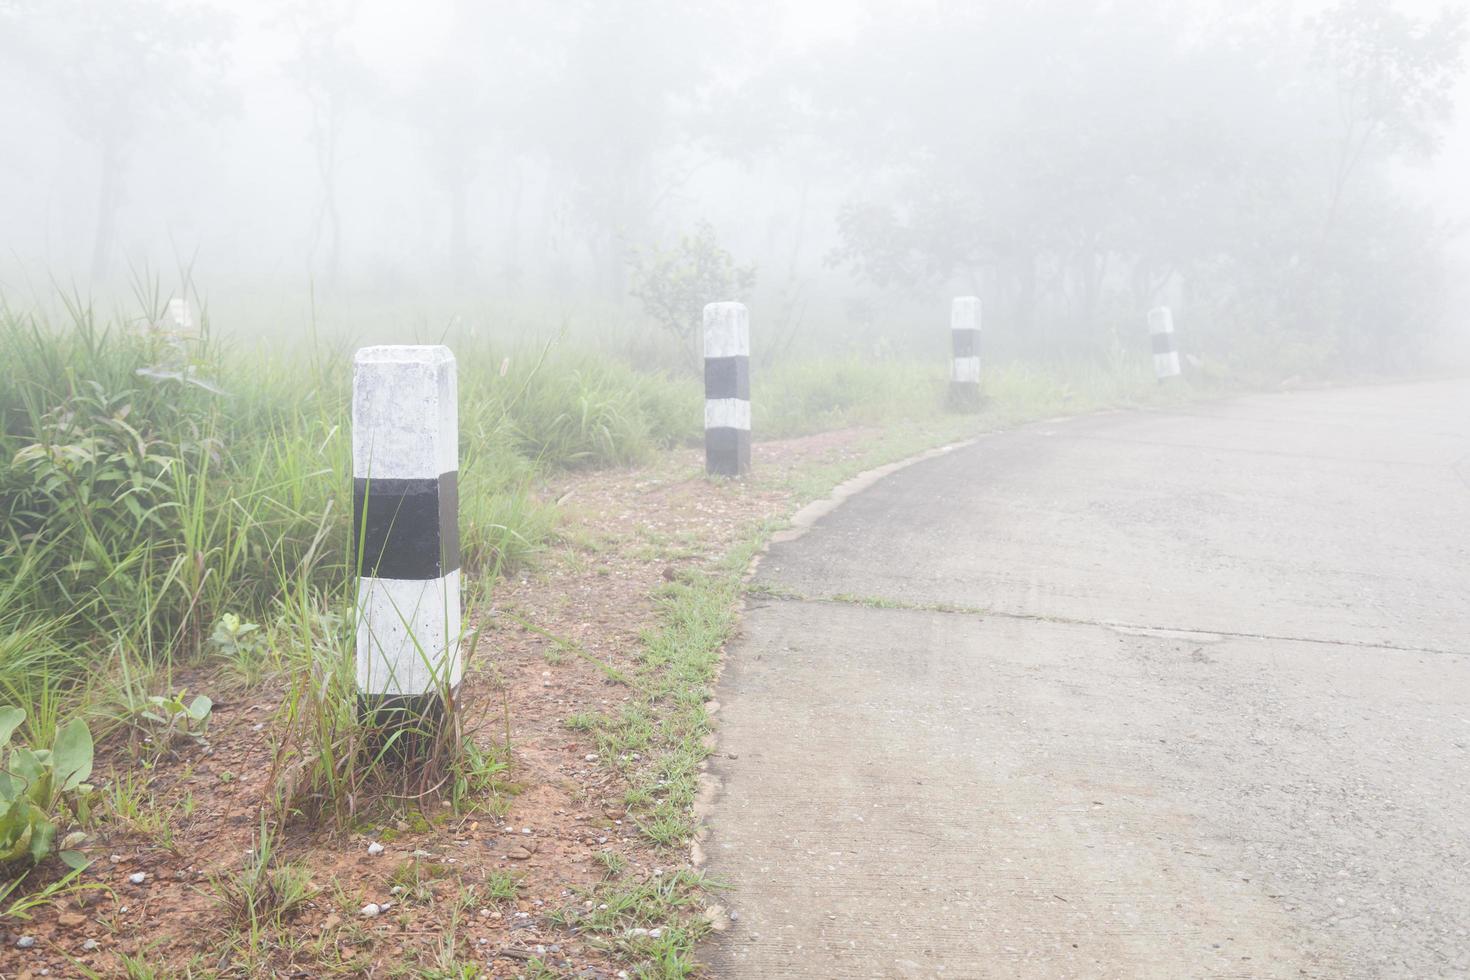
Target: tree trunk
(459,235)
(108,199)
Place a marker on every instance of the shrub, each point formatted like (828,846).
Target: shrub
(40,789)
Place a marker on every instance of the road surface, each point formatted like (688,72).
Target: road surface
(1171,695)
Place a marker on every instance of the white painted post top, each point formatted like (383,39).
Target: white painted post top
(726,330)
(405,412)
(1160,320)
(964,313)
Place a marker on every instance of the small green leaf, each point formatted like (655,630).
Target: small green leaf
(25,765)
(200,707)
(73,754)
(43,836)
(10,719)
(75,860)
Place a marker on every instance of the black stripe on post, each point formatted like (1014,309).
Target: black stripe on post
(726,389)
(727,451)
(727,377)
(406,529)
(1163,342)
(966,343)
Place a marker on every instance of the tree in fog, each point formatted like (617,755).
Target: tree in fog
(117,73)
(1393,78)
(674,284)
(476,109)
(1077,162)
(616,127)
(330,74)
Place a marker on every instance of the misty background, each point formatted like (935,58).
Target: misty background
(1289,177)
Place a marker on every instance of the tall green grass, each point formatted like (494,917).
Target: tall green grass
(808,396)
(151,482)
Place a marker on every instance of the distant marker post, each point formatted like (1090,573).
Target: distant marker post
(726,389)
(405,467)
(964,330)
(1161,336)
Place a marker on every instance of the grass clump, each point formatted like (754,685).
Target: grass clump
(801,397)
(653,924)
(257,903)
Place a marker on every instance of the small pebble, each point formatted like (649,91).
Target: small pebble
(89,946)
(374,849)
(137,878)
(484,913)
(371,910)
(590,757)
(25,942)
(655,933)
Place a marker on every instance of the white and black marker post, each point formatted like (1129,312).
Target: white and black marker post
(405,504)
(726,389)
(964,328)
(1161,335)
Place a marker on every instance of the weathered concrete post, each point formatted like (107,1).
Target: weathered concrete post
(405,508)
(726,389)
(964,329)
(1161,335)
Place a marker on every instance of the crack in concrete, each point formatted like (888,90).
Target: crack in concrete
(779,594)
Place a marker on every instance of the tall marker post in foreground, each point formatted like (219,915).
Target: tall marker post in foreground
(964,329)
(1161,335)
(405,507)
(726,389)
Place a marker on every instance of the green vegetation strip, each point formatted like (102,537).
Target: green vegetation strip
(654,924)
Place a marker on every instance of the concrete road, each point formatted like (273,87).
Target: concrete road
(1136,695)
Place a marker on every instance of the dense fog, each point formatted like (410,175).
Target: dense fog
(1289,176)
